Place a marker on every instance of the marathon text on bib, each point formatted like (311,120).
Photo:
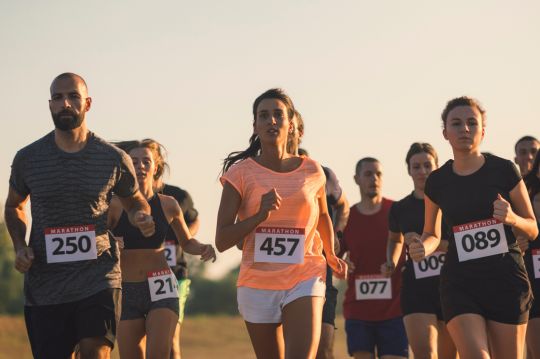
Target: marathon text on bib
(170,253)
(536,262)
(163,284)
(429,266)
(279,245)
(480,239)
(70,244)
(373,287)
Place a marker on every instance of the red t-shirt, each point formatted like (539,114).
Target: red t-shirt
(365,238)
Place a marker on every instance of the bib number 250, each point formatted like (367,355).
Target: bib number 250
(70,244)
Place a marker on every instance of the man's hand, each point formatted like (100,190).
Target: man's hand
(23,259)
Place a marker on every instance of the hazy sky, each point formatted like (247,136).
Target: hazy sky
(370,78)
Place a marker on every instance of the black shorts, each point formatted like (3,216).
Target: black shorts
(329,308)
(54,330)
(421,296)
(535,308)
(504,300)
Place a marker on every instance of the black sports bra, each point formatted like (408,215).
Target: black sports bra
(132,236)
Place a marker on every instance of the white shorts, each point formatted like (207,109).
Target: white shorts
(266,306)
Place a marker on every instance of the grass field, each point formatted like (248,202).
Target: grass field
(203,337)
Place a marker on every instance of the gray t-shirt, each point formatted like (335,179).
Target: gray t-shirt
(71,189)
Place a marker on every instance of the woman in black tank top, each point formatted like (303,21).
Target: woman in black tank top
(485,292)
(149,288)
(420,299)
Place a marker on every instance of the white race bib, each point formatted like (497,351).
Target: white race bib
(536,262)
(163,284)
(170,253)
(373,287)
(480,239)
(279,245)
(429,266)
(70,244)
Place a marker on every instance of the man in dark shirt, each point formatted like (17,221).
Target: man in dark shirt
(338,209)
(71,263)
(526,149)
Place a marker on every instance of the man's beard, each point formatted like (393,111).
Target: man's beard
(67,120)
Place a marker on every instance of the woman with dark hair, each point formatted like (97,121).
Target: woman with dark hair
(485,292)
(532,262)
(275,201)
(149,288)
(420,299)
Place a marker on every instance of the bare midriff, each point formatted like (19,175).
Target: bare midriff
(136,263)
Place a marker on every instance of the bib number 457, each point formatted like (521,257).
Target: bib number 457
(279,245)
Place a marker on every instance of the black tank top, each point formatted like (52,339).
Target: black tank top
(133,238)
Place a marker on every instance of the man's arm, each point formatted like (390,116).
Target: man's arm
(17,224)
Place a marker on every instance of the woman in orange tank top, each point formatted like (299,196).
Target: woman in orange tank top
(275,203)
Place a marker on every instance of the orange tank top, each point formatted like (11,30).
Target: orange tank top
(286,248)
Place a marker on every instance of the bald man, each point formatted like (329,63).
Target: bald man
(71,266)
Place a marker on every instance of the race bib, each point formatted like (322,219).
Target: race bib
(536,262)
(279,245)
(70,244)
(163,284)
(170,253)
(373,287)
(429,266)
(480,239)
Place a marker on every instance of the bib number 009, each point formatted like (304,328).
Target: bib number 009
(429,266)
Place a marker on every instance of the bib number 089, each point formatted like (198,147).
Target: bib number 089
(481,240)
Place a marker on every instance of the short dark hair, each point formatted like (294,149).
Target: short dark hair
(523,139)
(69,75)
(362,161)
(463,101)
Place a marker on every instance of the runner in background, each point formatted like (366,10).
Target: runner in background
(150,304)
(373,319)
(526,149)
(338,209)
(420,298)
(71,264)
(175,255)
(276,202)
(532,262)
(485,292)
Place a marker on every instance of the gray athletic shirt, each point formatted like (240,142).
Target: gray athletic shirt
(71,189)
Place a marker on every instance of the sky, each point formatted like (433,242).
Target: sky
(369,77)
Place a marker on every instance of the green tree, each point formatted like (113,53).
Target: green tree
(11,281)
